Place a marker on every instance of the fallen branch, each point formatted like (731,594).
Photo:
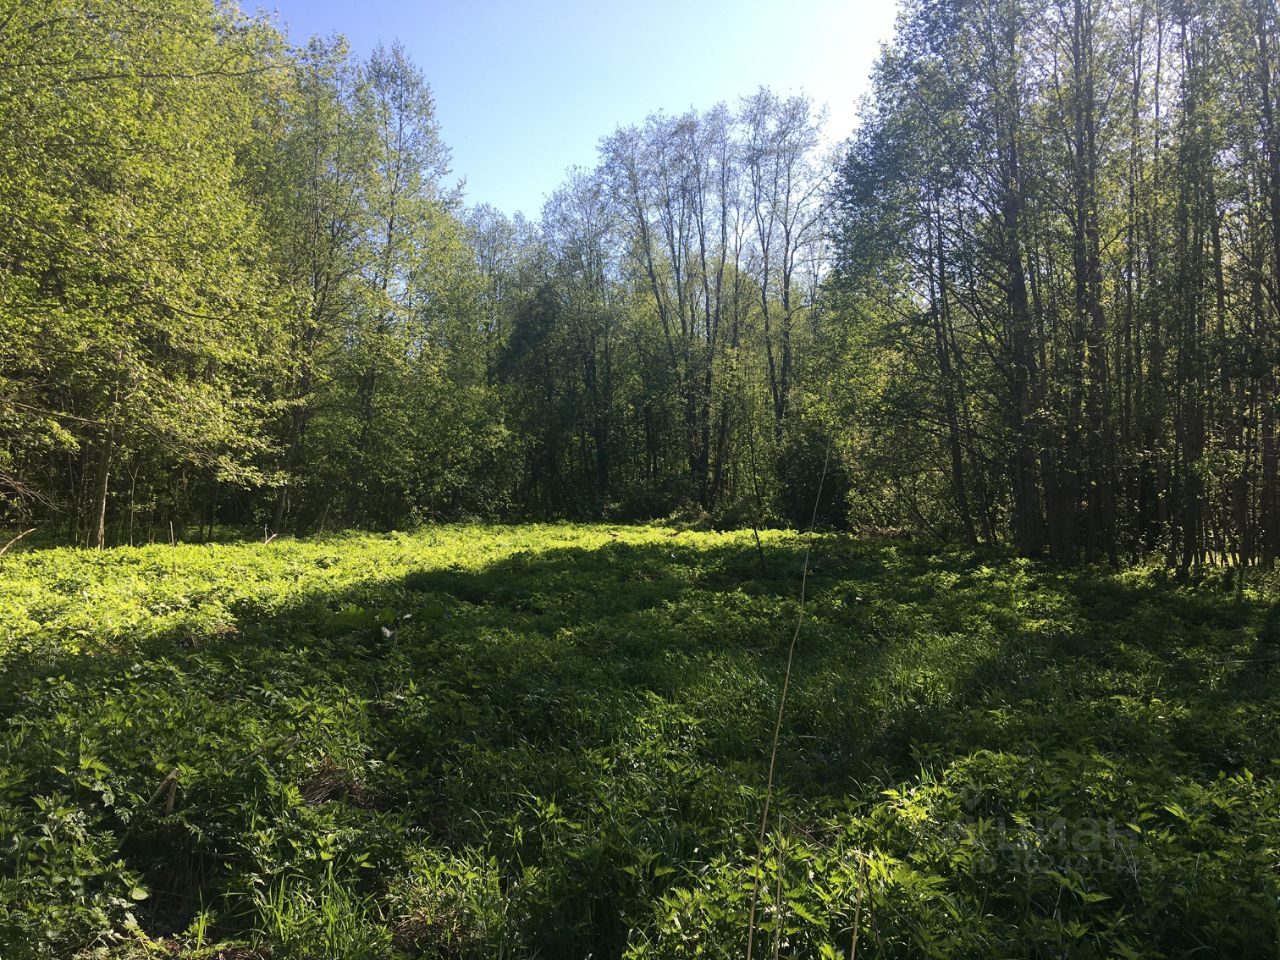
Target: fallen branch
(15,540)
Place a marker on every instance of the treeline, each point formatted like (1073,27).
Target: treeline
(1057,235)
(234,288)
(661,334)
(1033,301)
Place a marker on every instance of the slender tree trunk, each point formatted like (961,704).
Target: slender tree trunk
(106,450)
(1027,516)
(1269,506)
(941,323)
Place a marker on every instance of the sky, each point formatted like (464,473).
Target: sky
(525,90)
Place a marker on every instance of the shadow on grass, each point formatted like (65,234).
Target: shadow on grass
(584,717)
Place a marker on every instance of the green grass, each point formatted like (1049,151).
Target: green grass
(551,741)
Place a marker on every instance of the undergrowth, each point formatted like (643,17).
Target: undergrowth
(550,741)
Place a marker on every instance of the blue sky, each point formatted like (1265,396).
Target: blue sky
(524,90)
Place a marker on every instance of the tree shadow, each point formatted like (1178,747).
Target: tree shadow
(582,716)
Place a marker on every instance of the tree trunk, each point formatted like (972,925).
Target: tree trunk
(102,485)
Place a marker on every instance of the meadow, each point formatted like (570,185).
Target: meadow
(553,741)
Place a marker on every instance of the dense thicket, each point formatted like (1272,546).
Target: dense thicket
(231,285)
(1057,240)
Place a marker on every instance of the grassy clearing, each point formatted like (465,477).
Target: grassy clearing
(551,741)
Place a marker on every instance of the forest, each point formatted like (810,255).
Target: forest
(1031,302)
(785,544)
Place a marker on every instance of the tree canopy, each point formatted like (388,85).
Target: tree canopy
(1031,301)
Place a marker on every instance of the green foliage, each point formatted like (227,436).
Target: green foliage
(552,741)
(1049,259)
(230,279)
(130,299)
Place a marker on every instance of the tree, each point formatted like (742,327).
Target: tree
(129,292)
